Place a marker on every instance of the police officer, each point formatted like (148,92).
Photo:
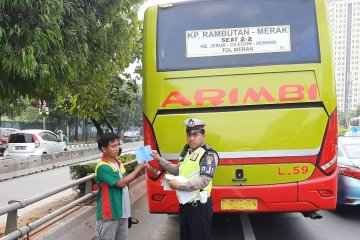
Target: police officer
(197,163)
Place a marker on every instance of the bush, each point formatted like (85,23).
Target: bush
(78,171)
(342,131)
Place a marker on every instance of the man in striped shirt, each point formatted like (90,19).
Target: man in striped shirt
(113,201)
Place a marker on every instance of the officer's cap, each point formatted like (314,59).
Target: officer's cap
(194,125)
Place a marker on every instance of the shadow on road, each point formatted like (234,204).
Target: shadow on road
(347,211)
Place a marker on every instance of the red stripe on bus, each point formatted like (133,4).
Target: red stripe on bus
(270,160)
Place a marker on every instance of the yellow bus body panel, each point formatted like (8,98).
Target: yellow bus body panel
(246,129)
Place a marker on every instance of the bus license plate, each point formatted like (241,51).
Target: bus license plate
(239,204)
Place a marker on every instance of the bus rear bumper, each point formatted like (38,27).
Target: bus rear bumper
(319,192)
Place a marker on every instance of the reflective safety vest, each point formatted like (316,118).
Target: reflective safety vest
(190,168)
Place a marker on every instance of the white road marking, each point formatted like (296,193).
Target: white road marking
(246,226)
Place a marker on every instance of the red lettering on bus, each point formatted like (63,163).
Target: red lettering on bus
(279,172)
(177,98)
(295,90)
(234,96)
(313,93)
(255,96)
(216,97)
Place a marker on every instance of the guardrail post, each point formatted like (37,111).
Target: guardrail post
(88,186)
(11,221)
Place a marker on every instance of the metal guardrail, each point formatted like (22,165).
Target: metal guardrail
(12,232)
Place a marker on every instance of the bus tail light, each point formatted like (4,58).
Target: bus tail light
(328,155)
(154,170)
(326,193)
(349,171)
(158,197)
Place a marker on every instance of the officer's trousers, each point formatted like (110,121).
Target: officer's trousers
(196,222)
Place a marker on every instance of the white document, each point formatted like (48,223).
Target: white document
(183,196)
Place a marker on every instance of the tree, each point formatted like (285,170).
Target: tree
(102,105)
(11,107)
(75,49)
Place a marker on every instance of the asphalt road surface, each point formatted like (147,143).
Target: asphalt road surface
(342,224)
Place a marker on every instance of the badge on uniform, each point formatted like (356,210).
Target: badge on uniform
(210,159)
(194,156)
(208,165)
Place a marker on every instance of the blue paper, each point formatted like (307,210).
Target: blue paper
(143,154)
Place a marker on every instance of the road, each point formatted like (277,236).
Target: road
(341,224)
(40,182)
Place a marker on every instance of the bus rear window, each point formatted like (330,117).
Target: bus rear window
(211,34)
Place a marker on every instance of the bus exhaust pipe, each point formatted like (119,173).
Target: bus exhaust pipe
(312,215)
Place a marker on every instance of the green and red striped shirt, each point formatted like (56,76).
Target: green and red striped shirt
(109,198)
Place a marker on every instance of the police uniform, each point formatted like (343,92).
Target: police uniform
(198,166)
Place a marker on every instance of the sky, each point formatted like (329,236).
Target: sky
(148,3)
(142,9)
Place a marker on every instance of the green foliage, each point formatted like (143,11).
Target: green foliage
(71,53)
(78,171)
(12,107)
(126,158)
(29,114)
(342,131)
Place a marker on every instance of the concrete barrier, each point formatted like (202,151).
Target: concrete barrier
(58,158)
(35,164)
(21,164)
(7,169)
(6,166)
(10,168)
(47,162)
(66,155)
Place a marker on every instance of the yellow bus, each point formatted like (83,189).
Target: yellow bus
(259,73)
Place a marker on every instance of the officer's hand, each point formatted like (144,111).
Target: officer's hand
(174,184)
(155,155)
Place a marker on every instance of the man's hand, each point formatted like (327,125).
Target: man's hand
(174,184)
(141,167)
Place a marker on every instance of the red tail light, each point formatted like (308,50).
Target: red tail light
(349,171)
(328,156)
(154,170)
(36,141)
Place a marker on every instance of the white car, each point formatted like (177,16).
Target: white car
(25,143)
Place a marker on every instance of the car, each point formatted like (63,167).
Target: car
(4,135)
(25,143)
(349,171)
(131,136)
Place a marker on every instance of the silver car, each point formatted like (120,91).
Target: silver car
(27,143)
(4,135)
(349,170)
